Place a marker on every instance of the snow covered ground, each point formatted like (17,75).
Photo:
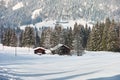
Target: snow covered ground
(52,23)
(28,66)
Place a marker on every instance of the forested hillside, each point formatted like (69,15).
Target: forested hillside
(21,12)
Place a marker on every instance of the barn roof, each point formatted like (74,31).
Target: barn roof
(59,45)
(39,48)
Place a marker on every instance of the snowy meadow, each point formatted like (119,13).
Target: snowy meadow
(23,64)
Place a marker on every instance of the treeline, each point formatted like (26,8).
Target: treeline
(105,37)
(16,37)
(75,38)
(46,37)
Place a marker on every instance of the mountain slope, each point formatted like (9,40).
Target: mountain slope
(90,10)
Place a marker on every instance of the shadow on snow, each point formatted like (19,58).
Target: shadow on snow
(74,76)
(117,77)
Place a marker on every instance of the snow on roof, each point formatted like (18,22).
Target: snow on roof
(56,47)
(40,48)
(59,45)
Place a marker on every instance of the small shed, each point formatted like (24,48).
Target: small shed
(61,49)
(39,50)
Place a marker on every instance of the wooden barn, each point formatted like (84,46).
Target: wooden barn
(39,50)
(61,49)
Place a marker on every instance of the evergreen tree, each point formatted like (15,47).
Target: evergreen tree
(18,34)
(28,37)
(100,36)
(45,38)
(55,35)
(75,28)
(77,44)
(86,34)
(69,38)
(63,36)
(113,39)
(21,39)
(9,37)
(105,34)
(104,37)
(96,38)
(42,38)
(13,40)
(83,35)
(37,39)
(77,40)
(2,29)
(92,40)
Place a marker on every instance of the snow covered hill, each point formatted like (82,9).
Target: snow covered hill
(23,12)
(28,66)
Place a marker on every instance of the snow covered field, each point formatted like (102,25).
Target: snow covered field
(28,66)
